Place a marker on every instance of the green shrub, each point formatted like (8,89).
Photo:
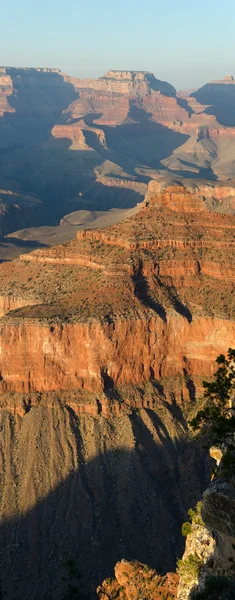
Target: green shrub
(189,567)
(217,417)
(195,517)
(186,529)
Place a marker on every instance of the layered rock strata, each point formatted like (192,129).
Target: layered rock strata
(151,297)
(104,343)
(68,140)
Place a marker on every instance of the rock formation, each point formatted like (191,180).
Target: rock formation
(134,580)
(199,551)
(210,544)
(104,342)
(68,140)
(105,339)
(219,98)
(150,297)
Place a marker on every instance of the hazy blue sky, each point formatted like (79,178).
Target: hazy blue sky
(186,43)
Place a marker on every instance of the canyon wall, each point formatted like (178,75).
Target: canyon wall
(68,140)
(90,490)
(39,356)
(101,360)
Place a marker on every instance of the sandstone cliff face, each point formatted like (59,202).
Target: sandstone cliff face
(126,82)
(6,90)
(219,516)
(213,196)
(104,343)
(127,305)
(39,356)
(8,303)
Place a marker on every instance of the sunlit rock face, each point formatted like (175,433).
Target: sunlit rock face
(133,579)
(151,297)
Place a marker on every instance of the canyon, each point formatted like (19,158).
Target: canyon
(117,236)
(149,297)
(104,343)
(71,144)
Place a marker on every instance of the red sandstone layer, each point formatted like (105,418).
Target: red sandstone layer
(39,357)
(122,305)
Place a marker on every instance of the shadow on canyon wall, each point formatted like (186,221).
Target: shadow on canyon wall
(147,295)
(23,243)
(38,104)
(35,162)
(123,503)
(143,293)
(64,179)
(195,171)
(221,100)
(139,142)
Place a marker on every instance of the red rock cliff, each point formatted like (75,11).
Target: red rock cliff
(143,299)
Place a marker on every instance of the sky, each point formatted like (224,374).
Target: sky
(183,42)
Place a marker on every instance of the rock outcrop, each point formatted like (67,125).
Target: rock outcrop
(219,515)
(130,83)
(6,90)
(219,97)
(151,297)
(193,568)
(210,545)
(134,580)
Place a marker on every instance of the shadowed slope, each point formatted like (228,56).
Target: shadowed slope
(220,96)
(91,489)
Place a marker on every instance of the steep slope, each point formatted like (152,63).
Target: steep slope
(211,147)
(208,566)
(219,96)
(91,489)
